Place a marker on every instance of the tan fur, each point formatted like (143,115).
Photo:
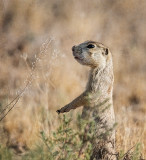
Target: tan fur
(97,98)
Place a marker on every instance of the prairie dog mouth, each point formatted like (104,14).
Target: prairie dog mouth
(77,58)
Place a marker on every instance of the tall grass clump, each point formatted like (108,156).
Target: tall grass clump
(73,143)
(65,143)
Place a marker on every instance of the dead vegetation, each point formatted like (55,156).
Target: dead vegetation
(24,28)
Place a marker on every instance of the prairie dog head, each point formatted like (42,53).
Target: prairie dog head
(93,54)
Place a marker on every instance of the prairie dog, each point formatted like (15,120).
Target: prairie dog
(97,97)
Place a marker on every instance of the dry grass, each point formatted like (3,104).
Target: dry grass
(25,26)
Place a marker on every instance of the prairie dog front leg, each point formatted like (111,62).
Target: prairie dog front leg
(82,100)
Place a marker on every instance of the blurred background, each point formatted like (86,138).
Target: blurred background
(38,35)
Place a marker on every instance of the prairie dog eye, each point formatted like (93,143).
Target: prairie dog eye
(91,46)
(106,51)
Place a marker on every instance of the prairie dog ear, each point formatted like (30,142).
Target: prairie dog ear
(106,51)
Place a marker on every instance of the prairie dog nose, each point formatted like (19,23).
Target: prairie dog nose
(73,48)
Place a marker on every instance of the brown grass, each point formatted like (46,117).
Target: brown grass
(25,26)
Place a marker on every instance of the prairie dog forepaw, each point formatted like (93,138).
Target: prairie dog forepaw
(63,109)
(58,111)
